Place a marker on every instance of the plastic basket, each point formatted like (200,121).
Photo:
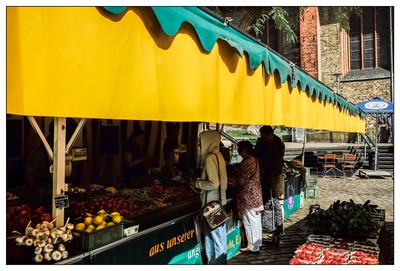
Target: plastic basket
(99,238)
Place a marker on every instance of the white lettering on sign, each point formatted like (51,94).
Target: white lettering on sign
(376,105)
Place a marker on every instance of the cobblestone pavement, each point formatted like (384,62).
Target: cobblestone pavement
(380,191)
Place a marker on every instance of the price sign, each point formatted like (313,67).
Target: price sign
(61,202)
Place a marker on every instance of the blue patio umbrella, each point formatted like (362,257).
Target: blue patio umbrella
(377,107)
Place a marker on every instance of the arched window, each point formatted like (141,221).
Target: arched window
(383,38)
(355,43)
(369,39)
(269,35)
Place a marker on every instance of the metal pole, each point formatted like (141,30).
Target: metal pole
(304,147)
(391,70)
(376,142)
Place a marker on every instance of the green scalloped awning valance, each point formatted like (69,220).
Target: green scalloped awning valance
(209,29)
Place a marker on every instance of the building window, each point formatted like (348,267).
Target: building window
(369,39)
(269,35)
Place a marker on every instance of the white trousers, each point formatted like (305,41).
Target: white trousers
(253,229)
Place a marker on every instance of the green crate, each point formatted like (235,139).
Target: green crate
(99,238)
(311,180)
(311,193)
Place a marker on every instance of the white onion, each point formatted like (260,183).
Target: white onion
(36,242)
(38,258)
(38,250)
(48,248)
(61,247)
(47,256)
(64,254)
(70,226)
(56,255)
(28,242)
(20,240)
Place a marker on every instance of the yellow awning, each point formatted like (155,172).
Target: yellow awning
(86,62)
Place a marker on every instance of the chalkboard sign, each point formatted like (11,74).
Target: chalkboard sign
(61,202)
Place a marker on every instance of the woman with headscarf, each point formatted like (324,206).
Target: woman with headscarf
(213,183)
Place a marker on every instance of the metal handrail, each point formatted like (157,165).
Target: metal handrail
(368,142)
(229,137)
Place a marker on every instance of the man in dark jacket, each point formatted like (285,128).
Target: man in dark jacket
(270,151)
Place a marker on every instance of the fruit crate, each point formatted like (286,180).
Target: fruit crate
(99,238)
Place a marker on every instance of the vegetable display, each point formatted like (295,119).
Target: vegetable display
(344,219)
(327,250)
(46,240)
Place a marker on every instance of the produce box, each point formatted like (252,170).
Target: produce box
(99,238)
(311,193)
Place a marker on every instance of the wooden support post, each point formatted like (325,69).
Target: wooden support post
(58,167)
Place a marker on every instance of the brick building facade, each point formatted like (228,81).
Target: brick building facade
(326,51)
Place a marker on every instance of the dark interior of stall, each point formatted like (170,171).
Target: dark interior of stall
(160,194)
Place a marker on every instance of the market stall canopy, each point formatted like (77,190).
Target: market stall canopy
(159,63)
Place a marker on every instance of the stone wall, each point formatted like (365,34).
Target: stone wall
(331,51)
(358,91)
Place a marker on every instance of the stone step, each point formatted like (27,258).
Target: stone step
(386,155)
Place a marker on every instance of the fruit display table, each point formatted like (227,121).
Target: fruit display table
(324,249)
(345,233)
(165,237)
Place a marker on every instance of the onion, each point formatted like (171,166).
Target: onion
(70,226)
(61,247)
(36,242)
(56,255)
(29,230)
(64,237)
(28,242)
(34,232)
(62,228)
(48,248)
(38,258)
(64,254)
(54,234)
(45,238)
(38,250)
(48,224)
(42,243)
(20,240)
(44,226)
(47,256)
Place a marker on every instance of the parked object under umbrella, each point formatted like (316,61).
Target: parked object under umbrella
(376,107)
